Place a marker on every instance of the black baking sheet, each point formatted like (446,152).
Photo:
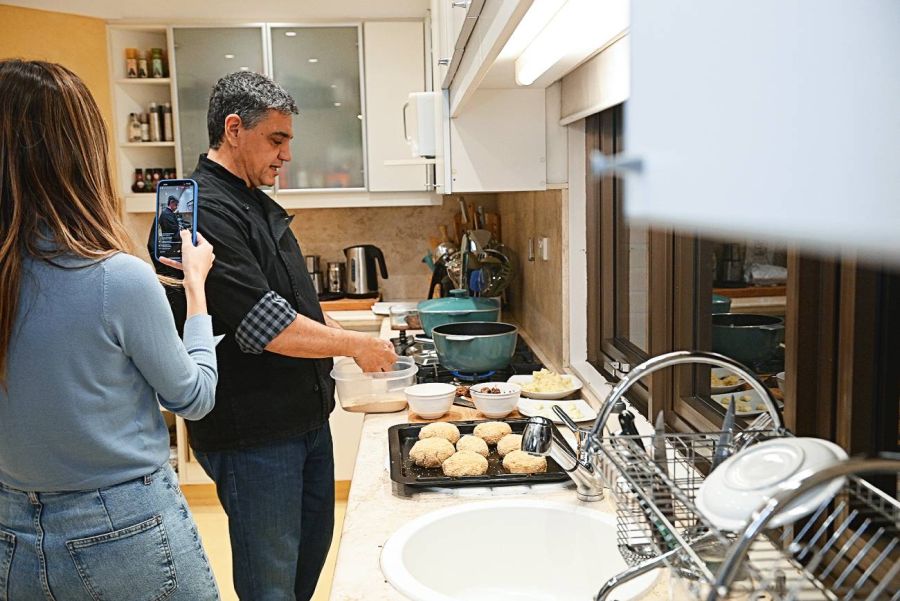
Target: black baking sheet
(408,478)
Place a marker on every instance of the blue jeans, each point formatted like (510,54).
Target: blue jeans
(135,540)
(280,504)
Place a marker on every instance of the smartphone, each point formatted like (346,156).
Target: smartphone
(176,210)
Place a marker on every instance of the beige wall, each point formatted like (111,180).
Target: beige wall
(536,295)
(78,43)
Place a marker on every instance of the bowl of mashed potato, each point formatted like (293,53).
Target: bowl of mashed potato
(547,385)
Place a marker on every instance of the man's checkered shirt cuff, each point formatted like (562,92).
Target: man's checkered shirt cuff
(266,320)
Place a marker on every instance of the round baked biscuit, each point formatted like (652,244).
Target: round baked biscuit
(509,443)
(474,444)
(520,462)
(443,430)
(431,452)
(465,463)
(491,432)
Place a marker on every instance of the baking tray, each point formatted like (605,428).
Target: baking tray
(407,478)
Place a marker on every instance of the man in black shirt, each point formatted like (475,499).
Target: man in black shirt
(267,443)
(169,218)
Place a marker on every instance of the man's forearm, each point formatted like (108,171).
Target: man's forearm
(310,339)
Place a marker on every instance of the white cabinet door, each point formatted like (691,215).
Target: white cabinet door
(395,66)
(778,119)
(498,144)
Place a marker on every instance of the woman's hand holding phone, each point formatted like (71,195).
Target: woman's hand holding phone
(196,261)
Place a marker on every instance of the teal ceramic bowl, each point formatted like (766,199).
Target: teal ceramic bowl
(475,347)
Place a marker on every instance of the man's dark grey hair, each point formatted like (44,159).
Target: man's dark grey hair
(249,96)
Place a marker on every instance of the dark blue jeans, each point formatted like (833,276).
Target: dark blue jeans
(280,504)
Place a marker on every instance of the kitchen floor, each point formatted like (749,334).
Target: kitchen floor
(213,525)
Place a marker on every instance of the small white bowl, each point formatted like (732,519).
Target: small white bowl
(496,405)
(431,400)
(779,377)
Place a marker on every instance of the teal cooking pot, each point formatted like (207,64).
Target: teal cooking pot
(750,339)
(456,308)
(475,347)
(721,304)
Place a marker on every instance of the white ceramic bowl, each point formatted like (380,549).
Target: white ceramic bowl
(747,480)
(431,400)
(495,405)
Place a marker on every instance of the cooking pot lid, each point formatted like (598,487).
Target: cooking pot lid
(458,302)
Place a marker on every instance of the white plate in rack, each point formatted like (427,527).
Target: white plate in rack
(577,409)
(524,380)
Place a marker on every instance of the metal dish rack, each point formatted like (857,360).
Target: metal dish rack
(847,549)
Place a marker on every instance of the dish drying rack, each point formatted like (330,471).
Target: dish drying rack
(848,548)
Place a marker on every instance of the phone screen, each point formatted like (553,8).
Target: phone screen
(175,211)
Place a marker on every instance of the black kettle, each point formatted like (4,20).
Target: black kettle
(362,278)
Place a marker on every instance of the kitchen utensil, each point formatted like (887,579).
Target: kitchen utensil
(430,400)
(492,224)
(495,405)
(578,410)
(723,446)
(659,443)
(362,277)
(312,263)
(456,308)
(745,481)
(475,347)
(380,392)
(626,422)
(336,277)
(524,381)
(750,339)
(407,478)
(445,247)
(318,281)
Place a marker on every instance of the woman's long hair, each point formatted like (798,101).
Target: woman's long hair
(55,182)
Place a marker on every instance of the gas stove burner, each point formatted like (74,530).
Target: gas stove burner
(473,377)
(423,339)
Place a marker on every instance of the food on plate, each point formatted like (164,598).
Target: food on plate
(509,443)
(520,462)
(729,380)
(546,410)
(465,463)
(440,430)
(490,390)
(492,432)
(547,381)
(744,403)
(473,444)
(431,452)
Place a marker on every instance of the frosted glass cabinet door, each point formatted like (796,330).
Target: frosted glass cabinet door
(202,56)
(774,118)
(319,66)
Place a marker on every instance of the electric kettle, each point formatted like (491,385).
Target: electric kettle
(362,278)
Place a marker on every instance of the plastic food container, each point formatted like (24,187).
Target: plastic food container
(373,392)
(430,400)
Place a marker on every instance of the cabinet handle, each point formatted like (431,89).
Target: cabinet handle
(444,61)
(405,133)
(462,4)
(531,249)
(618,164)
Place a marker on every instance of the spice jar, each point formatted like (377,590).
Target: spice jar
(156,62)
(139,185)
(142,64)
(131,64)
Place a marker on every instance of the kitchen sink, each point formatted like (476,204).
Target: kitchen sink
(508,550)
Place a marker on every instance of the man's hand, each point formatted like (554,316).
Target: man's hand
(375,355)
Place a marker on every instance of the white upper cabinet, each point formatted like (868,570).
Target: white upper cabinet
(395,67)
(771,118)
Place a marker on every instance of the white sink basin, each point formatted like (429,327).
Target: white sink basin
(508,550)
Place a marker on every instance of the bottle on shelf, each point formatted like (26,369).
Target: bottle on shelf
(156,62)
(168,134)
(155,129)
(131,64)
(139,184)
(154,182)
(142,64)
(145,127)
(134,128)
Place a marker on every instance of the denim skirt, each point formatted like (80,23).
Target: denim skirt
(134,541)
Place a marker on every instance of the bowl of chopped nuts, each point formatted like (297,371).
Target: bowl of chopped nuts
(495,399)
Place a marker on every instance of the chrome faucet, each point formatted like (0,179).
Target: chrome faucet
(542,438)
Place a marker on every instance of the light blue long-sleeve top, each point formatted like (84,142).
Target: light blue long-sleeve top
(94,352)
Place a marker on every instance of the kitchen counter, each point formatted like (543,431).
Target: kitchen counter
(373,512)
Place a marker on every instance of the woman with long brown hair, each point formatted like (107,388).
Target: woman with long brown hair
(89,507)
